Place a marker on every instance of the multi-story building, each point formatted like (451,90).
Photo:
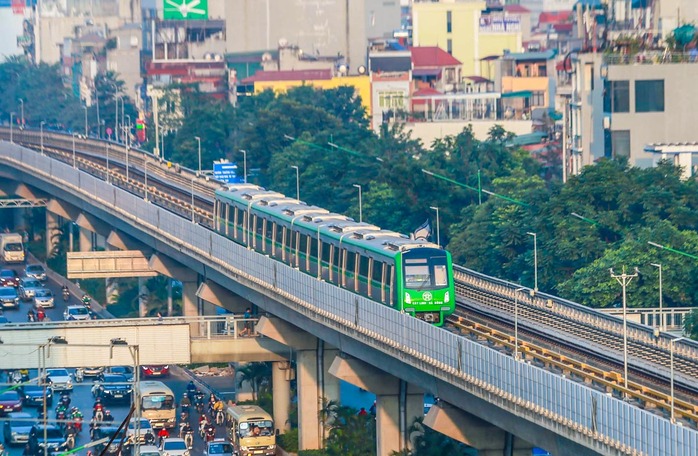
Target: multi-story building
(462,29)
(325,27)
(391,79)
(527,81)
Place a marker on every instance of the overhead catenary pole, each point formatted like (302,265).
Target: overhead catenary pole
(661,314)
(438,225)
(624,279)
(361,210)
(198,140)
(535,260)
(298,183)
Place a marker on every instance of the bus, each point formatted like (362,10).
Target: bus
(158,404)
(251,430)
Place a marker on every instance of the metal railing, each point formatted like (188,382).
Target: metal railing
(570,409)
(650,57)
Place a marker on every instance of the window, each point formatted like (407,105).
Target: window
(537,98)
(391,100)
(649,96)
(449,46)
(619,96)
(542,71)
(620,143)
(449,24)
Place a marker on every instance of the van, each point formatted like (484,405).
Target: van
(11,248)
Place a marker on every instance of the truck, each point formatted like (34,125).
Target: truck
(11,248)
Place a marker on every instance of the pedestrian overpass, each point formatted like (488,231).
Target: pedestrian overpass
(157,341)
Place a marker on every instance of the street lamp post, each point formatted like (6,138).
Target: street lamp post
(12,121)
(361,209)
(86,129)
(438,225)
(516,322)
(624,279)
(116,116)
(41,126)
(671,375)
(128,131)
(192,199)
(661,300)
(21,104)
(244,164)
(198,140)
(106,146)
(535,260)
(298,183)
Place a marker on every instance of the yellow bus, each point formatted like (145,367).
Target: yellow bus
(251,430)
(158,404)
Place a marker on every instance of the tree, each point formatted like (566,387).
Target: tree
(348,433)
(258,375)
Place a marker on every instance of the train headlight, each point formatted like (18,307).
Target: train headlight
(447,297)
(408,299)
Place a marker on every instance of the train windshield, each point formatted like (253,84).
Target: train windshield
(425,273)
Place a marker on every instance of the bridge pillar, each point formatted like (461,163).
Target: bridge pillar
(281,386)
(52,233)
(314,385)
(85,240)
(489,440)
(190,283)
(219,296)
(398,403)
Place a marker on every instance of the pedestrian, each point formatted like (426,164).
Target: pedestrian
(247,324)
(159,316)
(363,412)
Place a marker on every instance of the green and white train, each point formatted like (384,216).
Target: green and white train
(409,275)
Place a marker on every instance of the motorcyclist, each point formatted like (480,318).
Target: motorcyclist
(149,438)
(66,292)
(31,316)
(191,390)
(162,435)
(108,417)
(211,402)
(98,407)
(210,432)
(218,409)
(186,403)
(40,314)
(65,399)
(70,431)
(184,428)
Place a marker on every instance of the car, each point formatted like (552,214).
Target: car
(91,371)
(9,299)
(174,446)
(59,379)
(148,450)
(43,298)
(144,428)
(112,387)
(17,427)
(219,447)
(76,312)
(126,371)
(10,401)
(109,431)
(155,371)
(9,278)
(35,271)
(28,287)
(33,396)
(54,438)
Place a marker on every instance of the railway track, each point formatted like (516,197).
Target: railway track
(553,332)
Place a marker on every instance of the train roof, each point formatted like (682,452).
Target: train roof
(316,219)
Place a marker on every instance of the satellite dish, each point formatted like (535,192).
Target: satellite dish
(342,69)
(361,69)
(208,56)
(283,42)
(217,57)
(266,57)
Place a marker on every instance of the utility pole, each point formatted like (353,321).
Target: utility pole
(624,279)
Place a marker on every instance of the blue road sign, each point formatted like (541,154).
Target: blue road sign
(226,172)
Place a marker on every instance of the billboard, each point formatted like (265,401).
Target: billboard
(182,10)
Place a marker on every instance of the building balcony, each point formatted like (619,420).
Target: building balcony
(650,58)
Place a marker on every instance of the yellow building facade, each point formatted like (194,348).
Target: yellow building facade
(361,84)
(455,26)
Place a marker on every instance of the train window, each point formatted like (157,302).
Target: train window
(349,261)
(313,247)
(363,267)
(377,271)
(440,275)
(417,276)
(391,289)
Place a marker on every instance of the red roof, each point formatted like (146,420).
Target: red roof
(516,9)
(432,56)
(290,75)
(555,17)
(426,92)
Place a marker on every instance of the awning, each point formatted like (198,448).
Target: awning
(426,72)
(519,94)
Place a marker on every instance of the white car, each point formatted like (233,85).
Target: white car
(145,427)
(43,297)
(148,450)
(174,446)
(76,312)
(35,271)
(59,379)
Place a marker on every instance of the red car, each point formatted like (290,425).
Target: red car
(9,278)
(10,401)
(155,371)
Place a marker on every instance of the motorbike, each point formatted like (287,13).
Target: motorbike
(189,439)
(210,434)
(79,375)
(70,441)
(220,417)
(60,417)
(66,294)
(86,301)
(31,317)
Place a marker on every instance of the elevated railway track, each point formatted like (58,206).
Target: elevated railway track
(566,337)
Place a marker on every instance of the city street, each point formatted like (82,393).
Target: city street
(81,395)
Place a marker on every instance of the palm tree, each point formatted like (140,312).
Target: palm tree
(258,375)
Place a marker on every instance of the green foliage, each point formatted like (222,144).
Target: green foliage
(258,375)
(428,442)
(314,453)
(289,441)
(691,325)
(348,433)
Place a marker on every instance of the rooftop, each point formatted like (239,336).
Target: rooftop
(432,56)
(289,75)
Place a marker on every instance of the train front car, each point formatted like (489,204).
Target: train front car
(425,285)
